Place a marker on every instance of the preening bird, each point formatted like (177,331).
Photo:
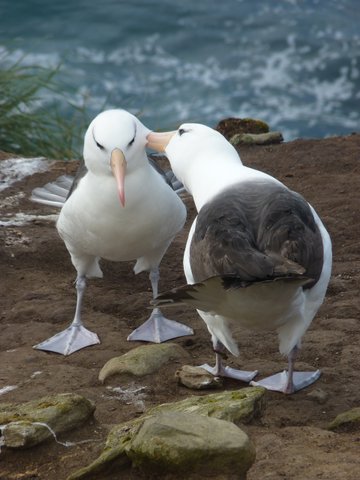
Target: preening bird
(118,208)
(257,255)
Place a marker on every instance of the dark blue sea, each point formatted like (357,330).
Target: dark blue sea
(293,63)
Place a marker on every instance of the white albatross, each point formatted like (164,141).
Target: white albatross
(257,256)
(119,208)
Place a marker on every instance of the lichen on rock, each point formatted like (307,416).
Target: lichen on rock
(231,126)
(143,360)
(27,424)
(346,421)
(256,138)
(232,407)
(188,443)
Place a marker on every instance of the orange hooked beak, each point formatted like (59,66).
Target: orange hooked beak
(118,167)
(159,140)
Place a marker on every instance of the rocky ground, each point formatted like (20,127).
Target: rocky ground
(38,298)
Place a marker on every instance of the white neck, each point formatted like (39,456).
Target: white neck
(208,176)
(205,179)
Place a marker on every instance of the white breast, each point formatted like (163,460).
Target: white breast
(93,221)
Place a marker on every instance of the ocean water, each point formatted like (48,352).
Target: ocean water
(293,63)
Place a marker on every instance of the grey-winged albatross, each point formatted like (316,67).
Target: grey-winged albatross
(257,255)
(119,208)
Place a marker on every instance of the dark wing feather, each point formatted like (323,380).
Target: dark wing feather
(256,231)
(80,173)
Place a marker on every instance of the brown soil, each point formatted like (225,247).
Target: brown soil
(38,299)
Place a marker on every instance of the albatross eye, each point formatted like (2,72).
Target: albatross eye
(99,146)
(181,131)
(131,142)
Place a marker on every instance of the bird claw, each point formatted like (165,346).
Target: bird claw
(242,375)
(158,329)
(69,341)
(280,382)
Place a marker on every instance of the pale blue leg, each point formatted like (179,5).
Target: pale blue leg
(158,328)
(76,336)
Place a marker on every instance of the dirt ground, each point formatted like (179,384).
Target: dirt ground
(38,299)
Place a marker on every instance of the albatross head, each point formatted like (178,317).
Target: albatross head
(193,146)
(115,144)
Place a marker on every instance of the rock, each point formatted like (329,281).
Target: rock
(191,444)
(346,421)
(239,406)
(197,378)
(318,395)
(231,126)
(142,360)
(256,139)
(30,423)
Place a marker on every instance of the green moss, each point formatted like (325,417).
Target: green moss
(46,410)
(182,442)
(231,126)
(238,406)
(349,420)
(141,360)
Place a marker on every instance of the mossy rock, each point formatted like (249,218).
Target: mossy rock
(30,423)
(231,126)
(269,138)
(346,421)
(143,360)
(188,444)
(239,406)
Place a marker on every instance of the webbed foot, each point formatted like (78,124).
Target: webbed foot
(280,382)
(158,329)
(69,341)
(243,375)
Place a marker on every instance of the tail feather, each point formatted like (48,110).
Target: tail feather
(217,294)
(54,193)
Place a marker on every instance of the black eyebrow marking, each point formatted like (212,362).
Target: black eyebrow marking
(97,143)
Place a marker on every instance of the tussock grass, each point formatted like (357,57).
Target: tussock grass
(30,127)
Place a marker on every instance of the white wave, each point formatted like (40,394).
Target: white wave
(15,169)
(298,72)
(28,59)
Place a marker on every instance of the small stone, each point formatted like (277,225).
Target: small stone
(347,421)
(197,378)
(318,395)
(142,360)
(256,139)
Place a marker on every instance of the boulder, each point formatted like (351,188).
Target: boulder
(143,360)
(28,424)
(189,444)
(240,406)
